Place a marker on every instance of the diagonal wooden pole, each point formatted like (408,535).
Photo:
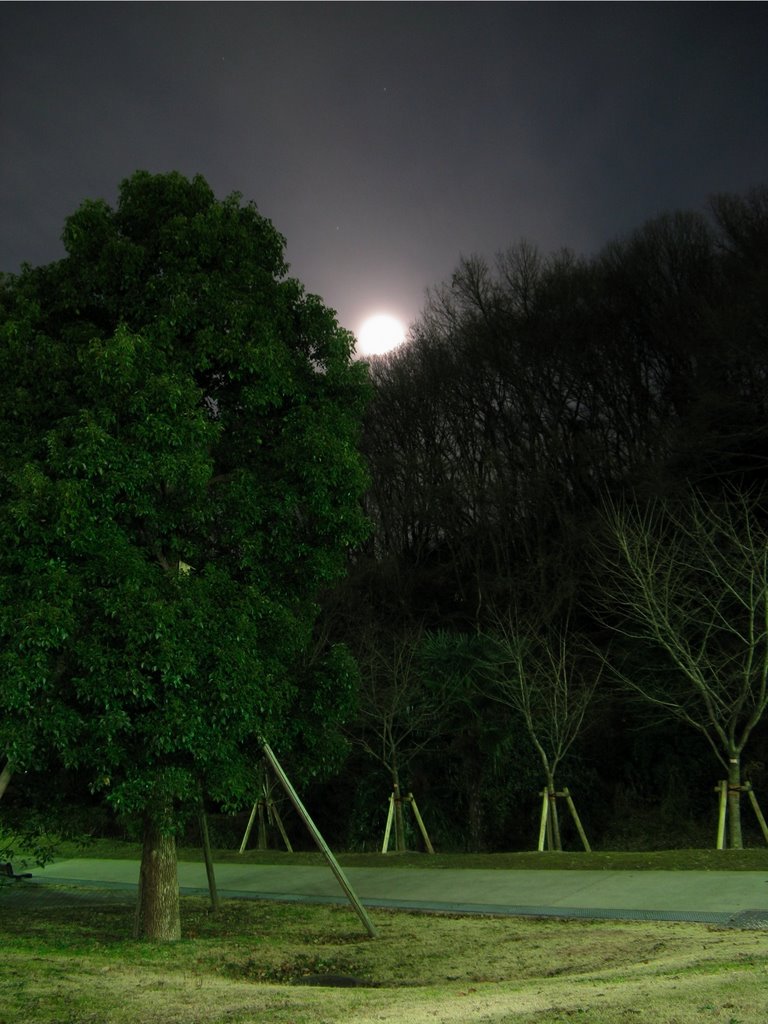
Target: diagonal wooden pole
(5,777)
(420,822)
(722,789)
(321,843)
(281,827)
(576,819)
(390,817)
(248,828)
(756,808)
(544,819)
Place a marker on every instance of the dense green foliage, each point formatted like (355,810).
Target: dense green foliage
(179,479)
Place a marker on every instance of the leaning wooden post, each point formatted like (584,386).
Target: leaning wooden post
(208,857)
(248,827)
(556,842)
(722,787)
(279,823)
(544,817)
(5,777)
(576,819)
(390,818)
(322,845)
(756,809)
(420,823)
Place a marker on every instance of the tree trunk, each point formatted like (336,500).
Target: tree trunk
(557,843)
(157,912)
(399,816)
(734,802)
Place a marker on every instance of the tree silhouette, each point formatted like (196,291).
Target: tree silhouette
(690,577)
(179,479)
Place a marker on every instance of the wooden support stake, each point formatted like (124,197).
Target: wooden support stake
(549,825)
(576,819)
(283,833)
(544,819)
(553,826)
(5,777)
(756,809)
(420,823)
(248,827)
(390,819)
(723,788)
(268,815)
(321,843)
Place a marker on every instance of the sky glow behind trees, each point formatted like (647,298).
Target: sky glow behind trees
(384,140)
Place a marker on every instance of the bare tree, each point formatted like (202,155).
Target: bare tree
(399,710)
(691,577)
(542,674)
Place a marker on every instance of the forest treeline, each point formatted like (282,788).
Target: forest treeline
(548,413)
(559,601)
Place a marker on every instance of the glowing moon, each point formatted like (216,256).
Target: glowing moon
(379,334)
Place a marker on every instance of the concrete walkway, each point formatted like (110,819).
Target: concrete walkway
(708,896)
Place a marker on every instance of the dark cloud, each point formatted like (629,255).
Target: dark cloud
(384,139)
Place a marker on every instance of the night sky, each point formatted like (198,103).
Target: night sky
(384,140)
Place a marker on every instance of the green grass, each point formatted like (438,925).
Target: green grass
(661,860)
(68,960)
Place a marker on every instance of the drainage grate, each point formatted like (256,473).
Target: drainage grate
(749,919)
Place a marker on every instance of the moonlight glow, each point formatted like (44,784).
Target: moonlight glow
(380,334)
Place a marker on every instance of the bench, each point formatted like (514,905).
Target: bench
(6,871)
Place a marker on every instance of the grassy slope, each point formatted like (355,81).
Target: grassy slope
(72,963)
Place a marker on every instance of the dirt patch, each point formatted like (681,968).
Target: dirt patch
(335,981)
(301,969)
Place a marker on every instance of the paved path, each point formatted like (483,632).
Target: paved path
(713,896)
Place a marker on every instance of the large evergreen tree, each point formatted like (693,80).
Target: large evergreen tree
(179,478)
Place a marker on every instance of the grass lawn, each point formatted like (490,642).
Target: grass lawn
(67,960)
(67,957)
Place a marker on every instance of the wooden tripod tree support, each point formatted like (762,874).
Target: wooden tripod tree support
(394,798)
(723,789)
(549,824)
(267,812)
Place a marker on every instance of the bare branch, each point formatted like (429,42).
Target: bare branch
(691,578)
